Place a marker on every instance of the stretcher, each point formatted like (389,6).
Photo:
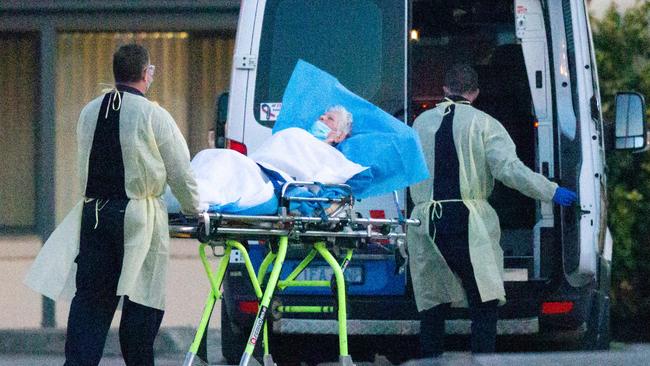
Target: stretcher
(337,231)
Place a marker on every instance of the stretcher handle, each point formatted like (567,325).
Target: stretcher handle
(316,199)
(309,233)
(192,231)
(310,219)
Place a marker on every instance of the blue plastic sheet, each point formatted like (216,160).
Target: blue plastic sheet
(378,140)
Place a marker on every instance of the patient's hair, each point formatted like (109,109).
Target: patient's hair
(345,122)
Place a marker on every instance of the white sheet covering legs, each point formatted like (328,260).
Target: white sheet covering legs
(225,177)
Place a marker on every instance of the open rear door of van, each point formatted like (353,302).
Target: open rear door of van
(530,29)
(561,83)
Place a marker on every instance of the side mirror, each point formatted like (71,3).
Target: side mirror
(630,128)
(220,118)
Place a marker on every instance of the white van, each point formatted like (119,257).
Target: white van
(537,75)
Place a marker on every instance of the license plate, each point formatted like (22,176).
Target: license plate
(353,274)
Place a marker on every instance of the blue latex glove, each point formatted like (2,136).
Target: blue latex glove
(564,197)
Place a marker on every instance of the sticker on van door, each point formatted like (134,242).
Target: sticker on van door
(269,111)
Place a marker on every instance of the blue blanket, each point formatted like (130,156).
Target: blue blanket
(378,140)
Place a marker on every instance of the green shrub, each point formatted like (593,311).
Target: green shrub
(622,43)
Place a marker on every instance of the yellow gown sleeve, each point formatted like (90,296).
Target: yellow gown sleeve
(176,158)
(505,166)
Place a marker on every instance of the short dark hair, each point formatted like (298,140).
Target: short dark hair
(128,63)
(461,78)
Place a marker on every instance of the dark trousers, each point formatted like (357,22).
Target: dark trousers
(99,265)
(455,250)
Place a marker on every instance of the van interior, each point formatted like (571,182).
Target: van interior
(482,34)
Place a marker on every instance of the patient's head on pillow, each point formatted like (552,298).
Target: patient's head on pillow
(333,126)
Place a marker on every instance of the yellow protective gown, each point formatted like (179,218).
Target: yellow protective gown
(485,152)
(154,153)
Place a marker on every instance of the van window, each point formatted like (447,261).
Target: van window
(360,42)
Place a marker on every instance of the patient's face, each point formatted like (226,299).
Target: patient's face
(331,119)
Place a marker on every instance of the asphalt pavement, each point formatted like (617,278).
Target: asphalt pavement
(628,355)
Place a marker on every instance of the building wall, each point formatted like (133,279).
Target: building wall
(210,67)
(46,162)
(72,44)
(19,78)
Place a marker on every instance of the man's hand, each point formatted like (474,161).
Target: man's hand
(564,197)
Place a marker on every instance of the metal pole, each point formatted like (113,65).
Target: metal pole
(46,152)
(340,296)
(260,319)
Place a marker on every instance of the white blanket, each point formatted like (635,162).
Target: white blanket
(228,177)
(304,157)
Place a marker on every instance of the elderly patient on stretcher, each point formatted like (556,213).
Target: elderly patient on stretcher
(230,182)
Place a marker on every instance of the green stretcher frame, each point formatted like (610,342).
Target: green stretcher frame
(264,297)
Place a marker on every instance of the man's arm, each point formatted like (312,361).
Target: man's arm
(176,157)
(505,166)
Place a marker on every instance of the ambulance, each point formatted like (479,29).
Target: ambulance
(537,76)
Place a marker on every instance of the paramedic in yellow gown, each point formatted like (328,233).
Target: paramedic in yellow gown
(455,257)
(115,242)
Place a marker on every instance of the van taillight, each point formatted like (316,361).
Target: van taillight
(247,307)
(377,214)
(559,307)
(237,146)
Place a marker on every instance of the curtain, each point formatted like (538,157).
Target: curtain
(210,65)
(19,80)
(188,75)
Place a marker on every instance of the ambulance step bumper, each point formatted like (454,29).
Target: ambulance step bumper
(397,327)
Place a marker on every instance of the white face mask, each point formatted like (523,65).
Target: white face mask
(320,130)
